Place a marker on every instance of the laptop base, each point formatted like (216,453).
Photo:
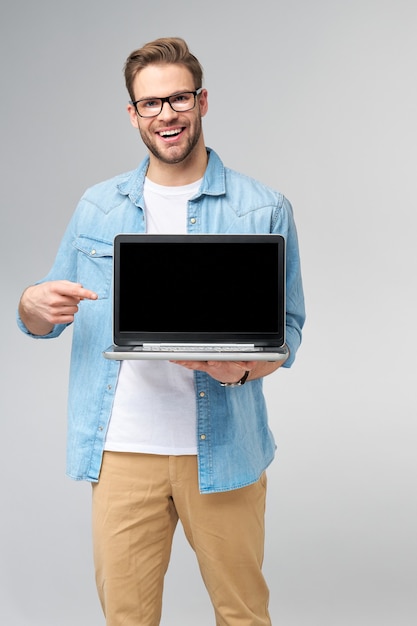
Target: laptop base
(121,353)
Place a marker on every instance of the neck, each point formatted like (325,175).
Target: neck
(176,174)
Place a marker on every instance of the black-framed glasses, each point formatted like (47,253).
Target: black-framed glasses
(179,102)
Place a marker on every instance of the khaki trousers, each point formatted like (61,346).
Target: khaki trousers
(136,507)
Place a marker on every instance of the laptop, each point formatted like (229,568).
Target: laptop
(199,297)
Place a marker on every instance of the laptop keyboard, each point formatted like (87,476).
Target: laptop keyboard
(154,347)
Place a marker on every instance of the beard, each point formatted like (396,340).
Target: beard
(173,154)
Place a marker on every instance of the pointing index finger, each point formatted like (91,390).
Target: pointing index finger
(86,294)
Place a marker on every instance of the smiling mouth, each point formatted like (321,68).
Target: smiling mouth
(170,133)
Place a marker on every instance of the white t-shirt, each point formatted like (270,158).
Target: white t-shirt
(154,408)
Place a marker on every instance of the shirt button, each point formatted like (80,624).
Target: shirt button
(202,437)
(202,394)
(93,251)
(193,220)
(100,428)
(109,387)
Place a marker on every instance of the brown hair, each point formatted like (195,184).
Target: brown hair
(164,50)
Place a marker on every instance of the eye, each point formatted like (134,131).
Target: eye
(149,104)
(181,97)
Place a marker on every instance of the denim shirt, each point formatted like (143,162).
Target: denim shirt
(235,443)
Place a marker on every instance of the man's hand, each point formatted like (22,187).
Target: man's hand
(54,302)
(232,371)
(223,371)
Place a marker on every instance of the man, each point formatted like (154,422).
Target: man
(162,441)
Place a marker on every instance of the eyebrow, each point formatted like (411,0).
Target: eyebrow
(176,93)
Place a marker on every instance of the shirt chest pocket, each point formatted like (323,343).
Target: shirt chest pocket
(94,264)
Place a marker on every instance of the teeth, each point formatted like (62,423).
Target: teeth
(169,133)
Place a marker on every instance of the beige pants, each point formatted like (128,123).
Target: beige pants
(136,506)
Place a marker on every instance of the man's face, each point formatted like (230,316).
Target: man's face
(170,136)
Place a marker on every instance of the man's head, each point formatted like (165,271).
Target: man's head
(161,51)
(167,105)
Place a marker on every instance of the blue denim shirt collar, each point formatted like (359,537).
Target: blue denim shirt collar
(213,184)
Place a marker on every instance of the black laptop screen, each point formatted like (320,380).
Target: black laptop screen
(202,288)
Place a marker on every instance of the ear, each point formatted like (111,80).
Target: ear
(133,115)
(203,102)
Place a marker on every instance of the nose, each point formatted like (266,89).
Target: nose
(167,112)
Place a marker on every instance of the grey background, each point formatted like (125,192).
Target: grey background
(317,99)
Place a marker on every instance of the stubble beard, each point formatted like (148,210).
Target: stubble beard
(175,154)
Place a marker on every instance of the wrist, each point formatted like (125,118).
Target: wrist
(239,383)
